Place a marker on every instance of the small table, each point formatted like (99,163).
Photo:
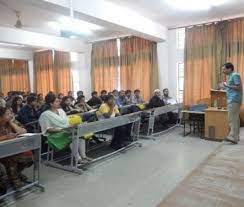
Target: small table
(195,117)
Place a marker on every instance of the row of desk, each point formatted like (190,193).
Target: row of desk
(33,142)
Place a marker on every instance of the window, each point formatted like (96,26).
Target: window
(180,69)
(75,71)
(180,36)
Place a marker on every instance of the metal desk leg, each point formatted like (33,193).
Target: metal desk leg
(36,169)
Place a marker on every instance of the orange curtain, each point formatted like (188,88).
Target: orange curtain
(14,75)
(234,45)
(105,61)
(62,64)
(44,72)
(200,62)
(139,65)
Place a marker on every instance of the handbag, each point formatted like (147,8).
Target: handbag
(59,141)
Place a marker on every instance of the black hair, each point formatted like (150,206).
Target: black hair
(103,91)
(94,93)
(79,98)
(33,94)
(3,111)
(137,90)
(31,99)
(50,98)
(108,97)
(60,94)
(127,91)
(114,91)
(14,104)
(229,66)
(64,99)
(165,89)
(79,92)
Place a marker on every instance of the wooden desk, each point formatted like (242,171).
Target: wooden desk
(216,123)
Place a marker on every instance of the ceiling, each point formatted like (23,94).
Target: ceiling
(36,20)
(160,11)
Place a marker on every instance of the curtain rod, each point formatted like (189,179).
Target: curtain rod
(206,23)
(109,38)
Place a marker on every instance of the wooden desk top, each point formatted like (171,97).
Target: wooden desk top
(192,112)
(216,109)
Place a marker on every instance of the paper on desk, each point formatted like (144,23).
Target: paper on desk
(26,135)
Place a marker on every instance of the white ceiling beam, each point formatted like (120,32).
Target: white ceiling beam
(38,40)
(109,15)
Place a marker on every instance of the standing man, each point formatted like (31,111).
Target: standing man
(234,100)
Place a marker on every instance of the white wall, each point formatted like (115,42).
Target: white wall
(81,69)
(168,57)
(163,65)
(16,54)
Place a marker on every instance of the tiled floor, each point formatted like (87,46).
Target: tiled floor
(141,177)
(218,182)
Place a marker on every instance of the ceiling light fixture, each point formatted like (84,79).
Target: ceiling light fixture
(195,5)
(73,25)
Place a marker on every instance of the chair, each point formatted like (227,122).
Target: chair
(206,101)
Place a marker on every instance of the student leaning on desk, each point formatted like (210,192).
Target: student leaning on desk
(108,110)
(14,165)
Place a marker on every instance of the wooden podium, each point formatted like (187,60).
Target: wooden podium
(218,98)
(216,123)
(216,117)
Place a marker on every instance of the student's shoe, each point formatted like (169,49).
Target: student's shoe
(82,161)
(23,177)
(17,183)
(87,159)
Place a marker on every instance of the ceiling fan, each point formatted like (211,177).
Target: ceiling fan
(18,24)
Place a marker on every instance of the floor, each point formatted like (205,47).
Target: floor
(141,177)
(217,182)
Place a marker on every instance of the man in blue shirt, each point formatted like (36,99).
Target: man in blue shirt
(121,99)
(234,100)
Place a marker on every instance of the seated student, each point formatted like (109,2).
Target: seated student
(60,96)
(40,101)
(156,100)
(81,104)
(136,98)
(79,93)
(29,113)
(121,134)
(71,96)
(167,99)
(67,106)
(14,165)
(115,93)
(103,95)
(2,100)
(173,116)
(54,119)
(121,100)
(128,96)
(17,104)
(95,101)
